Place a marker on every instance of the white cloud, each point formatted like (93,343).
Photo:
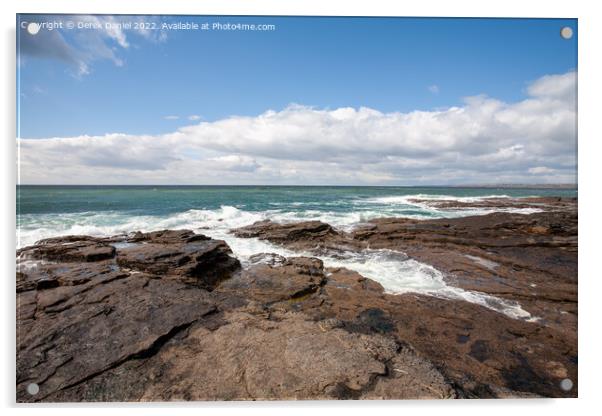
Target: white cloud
(82,47)
(171,117)
(563,86)
(105,26)
(483,141)
(194,117)
(539,170)
(238,163)
(434,89)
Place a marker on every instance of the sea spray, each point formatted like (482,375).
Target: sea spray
(393,270)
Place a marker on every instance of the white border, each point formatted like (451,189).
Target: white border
(590,32)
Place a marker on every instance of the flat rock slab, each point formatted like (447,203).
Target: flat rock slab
(485,353)
(171,315)
(294,235)
(193,258)
(530,259)
(70,250)
(80,334)
(286,357)
(294,278)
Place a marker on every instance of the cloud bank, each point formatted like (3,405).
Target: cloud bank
(483,141)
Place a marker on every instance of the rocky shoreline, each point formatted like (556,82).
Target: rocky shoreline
(173,315)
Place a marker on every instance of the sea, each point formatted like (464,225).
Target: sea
(49,211)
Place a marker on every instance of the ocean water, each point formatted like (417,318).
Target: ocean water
(48,211)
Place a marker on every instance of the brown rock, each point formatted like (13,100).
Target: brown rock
(191,257)
(295,278)
(70,249)
(78,332)
(484,353)
(530,259)
(91,331)
(301,234)
(253,358)
(171,316)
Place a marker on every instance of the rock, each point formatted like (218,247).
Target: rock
(489,356)
(295,278)
(90,331)
(506,255)
(167,237)
(537,203)
(79,316)
(530,259)
(79,332)
(171,315)
(253,358)
(271,259)
(304,233)
(53,275)
(70,249)
(190,257)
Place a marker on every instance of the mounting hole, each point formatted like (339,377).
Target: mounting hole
(33,28)
(566,384)
(33,389)
(566,32)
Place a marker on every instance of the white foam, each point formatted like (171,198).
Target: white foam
(397,204)
(393,270)
(405,198)
(399,274)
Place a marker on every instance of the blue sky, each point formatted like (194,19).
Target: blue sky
(383,63)
(317,101)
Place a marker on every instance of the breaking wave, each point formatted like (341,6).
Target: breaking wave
(393,270)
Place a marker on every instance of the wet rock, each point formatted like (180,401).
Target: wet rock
(271,259)
(70,249)
(531,203)
(472,347)
(504,255)
(90,331)
(530,259)
(171,315)
(301,234)
(167,237)
(295,278)
(131,328)
(371,320)
(79,316)
(190,257)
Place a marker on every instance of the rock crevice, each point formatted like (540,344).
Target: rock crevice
(172,315)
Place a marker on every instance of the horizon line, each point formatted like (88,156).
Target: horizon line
(484,185)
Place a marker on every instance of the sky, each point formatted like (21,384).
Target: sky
(309,101)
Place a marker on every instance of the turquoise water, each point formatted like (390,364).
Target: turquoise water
(162,200)
(47,211)
(44,211)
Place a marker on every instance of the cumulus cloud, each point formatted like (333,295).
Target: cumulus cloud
(483,141)
(434,89)
(561,86)
(237,163)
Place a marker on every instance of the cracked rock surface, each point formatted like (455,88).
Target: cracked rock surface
(143,323)
(172,315)
(530,259)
